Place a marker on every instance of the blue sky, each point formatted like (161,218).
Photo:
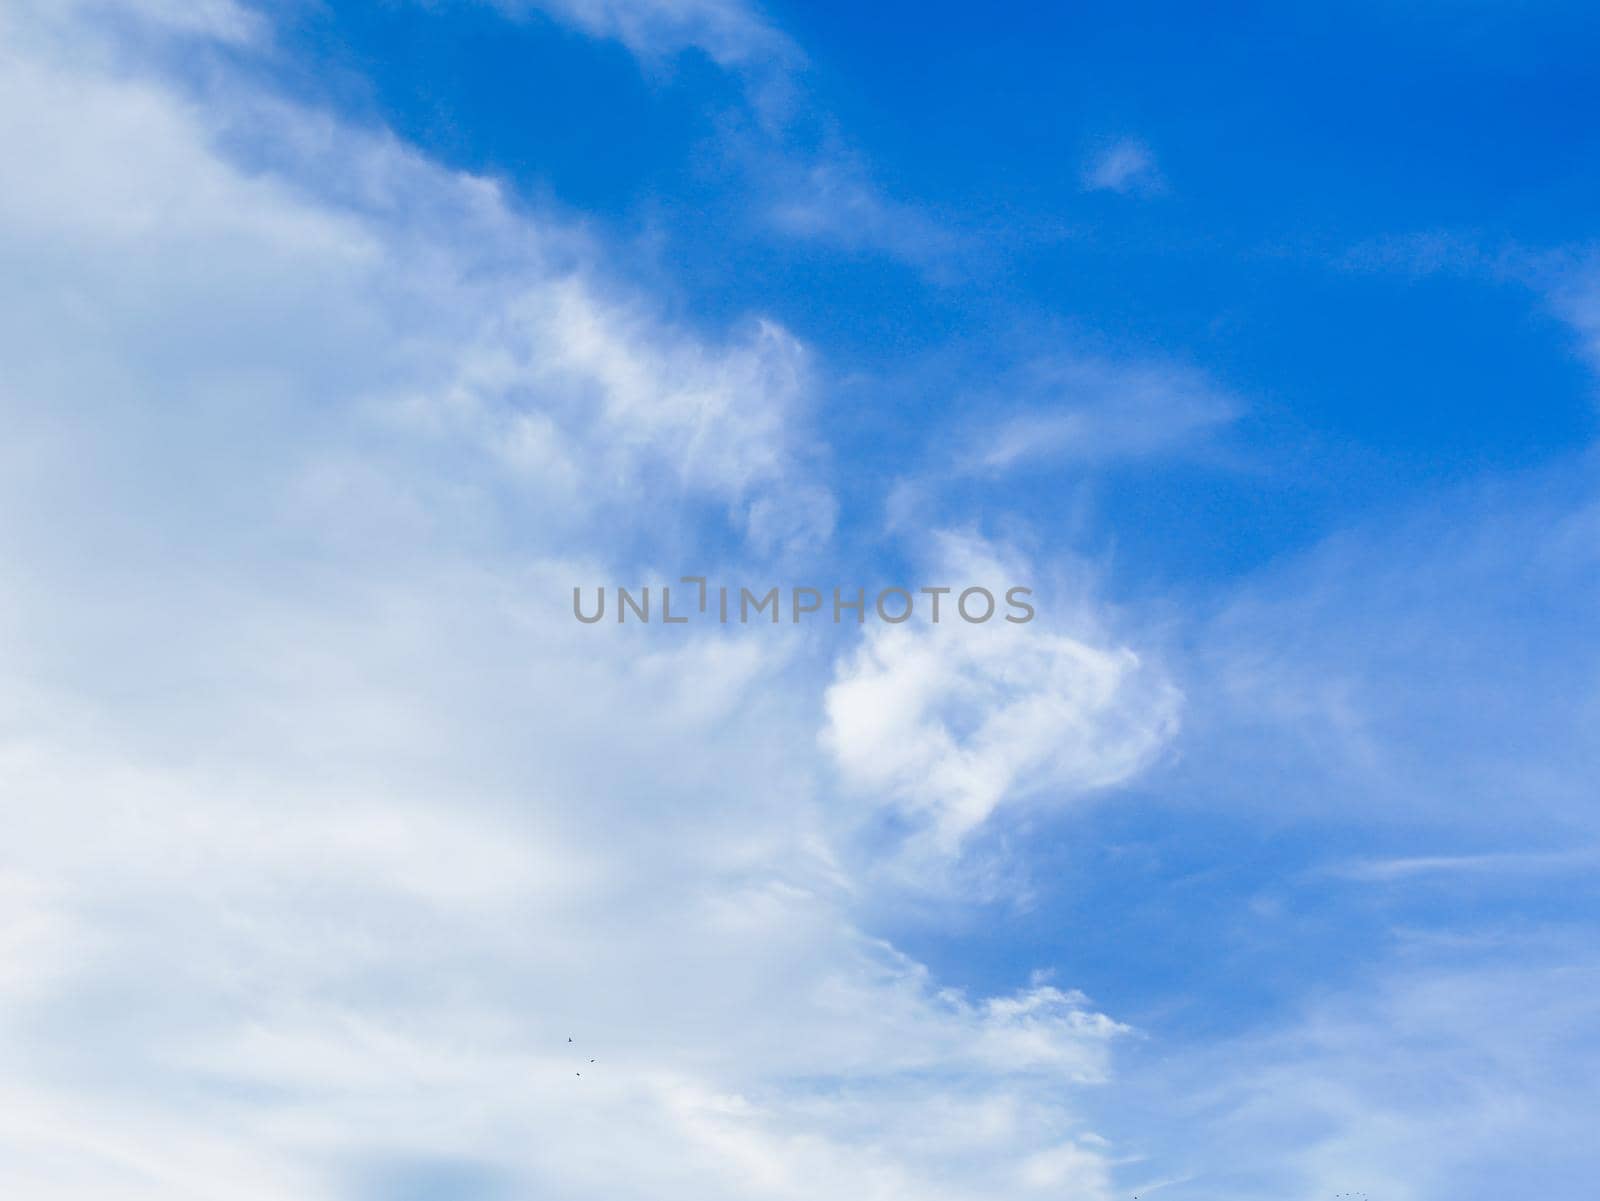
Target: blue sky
(1344,225)
(342,340)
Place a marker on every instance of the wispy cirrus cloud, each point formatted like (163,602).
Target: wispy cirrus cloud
(1443,1078)
(1390,668)
(1126,166)
(1575,293)
(813,184)
(830,198)
(1084,410)
(1489,863)
(1565,277)
(733,33)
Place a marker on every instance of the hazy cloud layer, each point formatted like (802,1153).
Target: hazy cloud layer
(328,827)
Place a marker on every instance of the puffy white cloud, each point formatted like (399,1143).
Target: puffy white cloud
(950,720)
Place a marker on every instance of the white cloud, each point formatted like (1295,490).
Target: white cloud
(326,825)
(1084,410)
(1494,863)
(1566,279)
(500,337)
(222,20)
(1438,665)
(950,721)
(1126,166)
(830,197)
(1429,1081)
(812,185)
(732,33)
(1577,300)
